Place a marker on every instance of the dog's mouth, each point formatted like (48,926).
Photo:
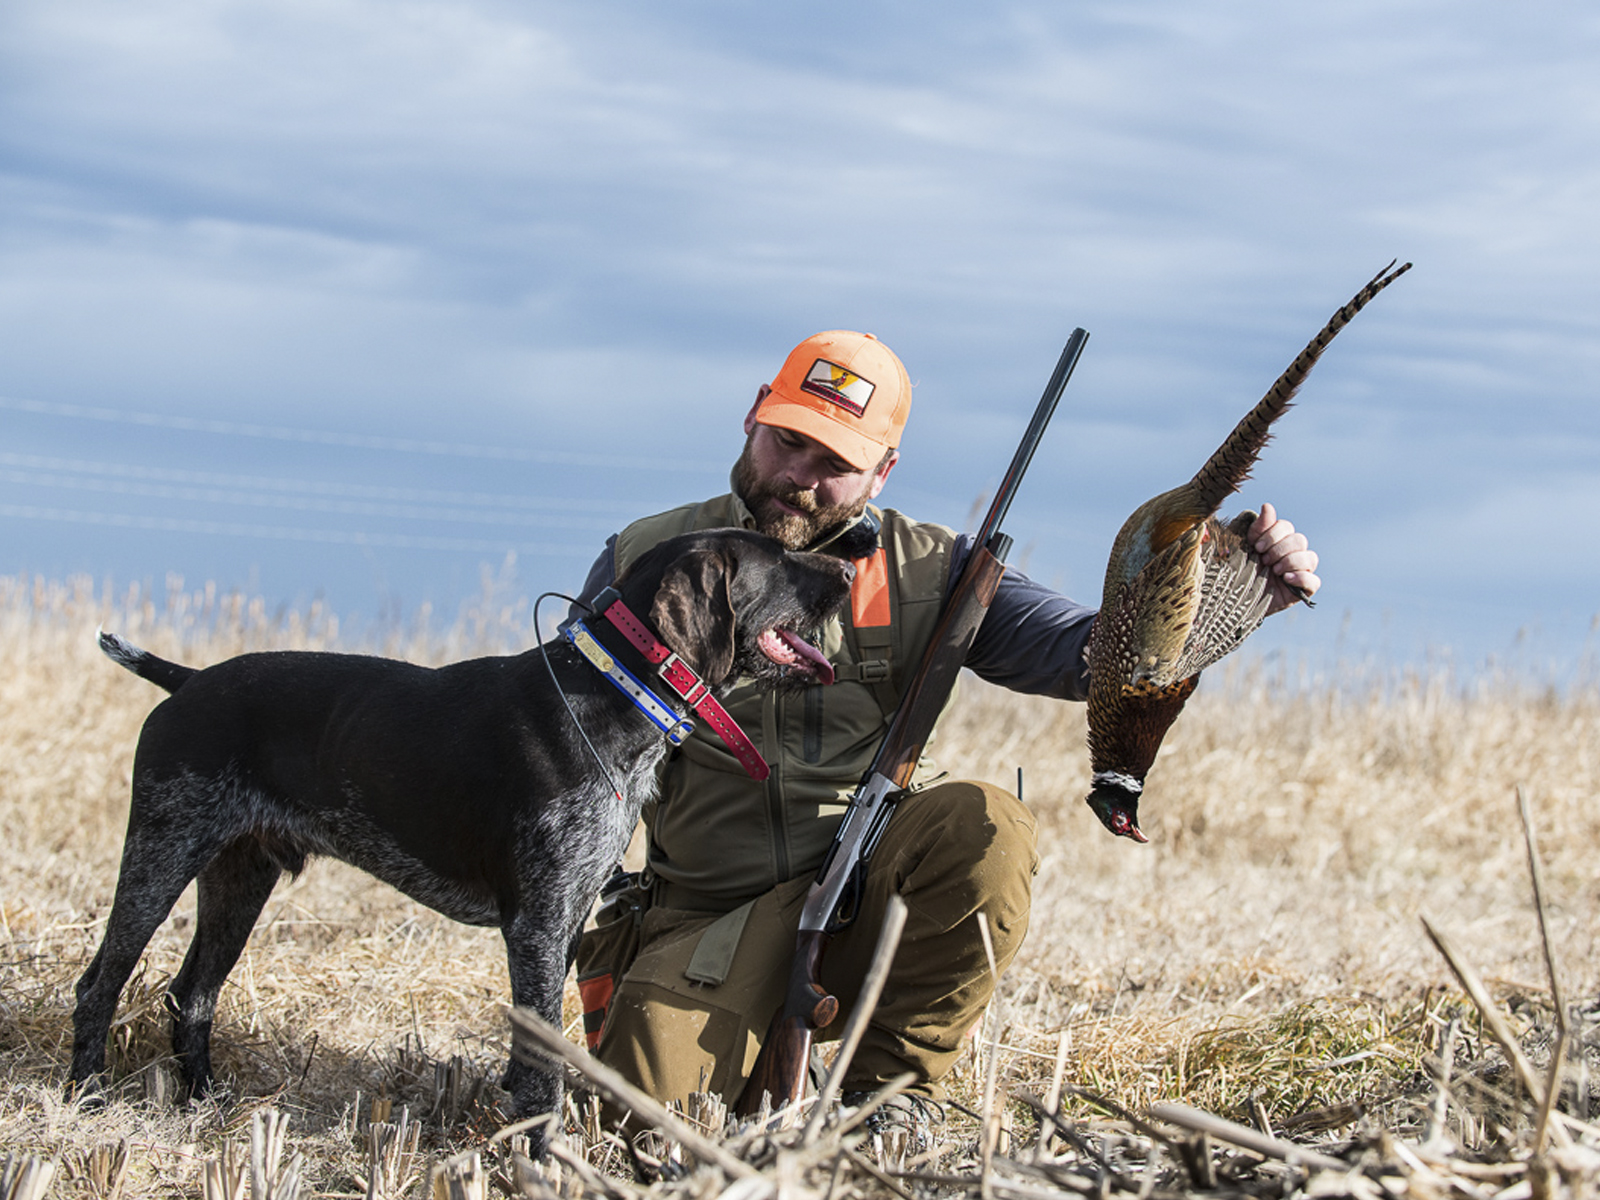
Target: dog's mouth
(788,649)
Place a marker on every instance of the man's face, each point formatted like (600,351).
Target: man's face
(797,489)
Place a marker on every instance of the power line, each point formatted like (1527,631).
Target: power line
(215,495)
(322,437)
(311,487)
(337,537)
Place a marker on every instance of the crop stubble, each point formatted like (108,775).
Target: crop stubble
(1261,958)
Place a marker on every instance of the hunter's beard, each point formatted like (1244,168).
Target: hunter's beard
(799,529)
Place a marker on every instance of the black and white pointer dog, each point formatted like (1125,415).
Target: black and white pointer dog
(468,787)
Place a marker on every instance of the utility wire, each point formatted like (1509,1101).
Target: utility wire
(44,462)
(323,437)
(202,495)
(338,537)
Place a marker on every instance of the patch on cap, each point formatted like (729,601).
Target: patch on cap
(838,386)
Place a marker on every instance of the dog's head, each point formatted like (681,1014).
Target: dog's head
(732,603)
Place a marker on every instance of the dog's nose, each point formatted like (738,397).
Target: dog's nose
(849,571)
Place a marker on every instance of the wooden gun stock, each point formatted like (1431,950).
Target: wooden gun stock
(780,1069)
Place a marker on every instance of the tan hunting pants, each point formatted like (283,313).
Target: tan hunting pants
(691,993)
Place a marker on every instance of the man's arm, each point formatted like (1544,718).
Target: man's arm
(1033,639)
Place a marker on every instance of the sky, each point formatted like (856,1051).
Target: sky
(368,301)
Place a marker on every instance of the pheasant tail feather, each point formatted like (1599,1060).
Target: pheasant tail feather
(1230,466)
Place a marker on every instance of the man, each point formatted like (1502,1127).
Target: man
(688,962)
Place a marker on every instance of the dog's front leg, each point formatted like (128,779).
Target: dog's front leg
(536,953)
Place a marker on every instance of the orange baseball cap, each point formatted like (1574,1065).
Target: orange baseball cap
(846,390)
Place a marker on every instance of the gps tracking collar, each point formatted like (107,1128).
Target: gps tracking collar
(678,675)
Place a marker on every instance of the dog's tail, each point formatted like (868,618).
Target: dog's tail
(159,671)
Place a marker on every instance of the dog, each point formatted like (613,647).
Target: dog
(468,787)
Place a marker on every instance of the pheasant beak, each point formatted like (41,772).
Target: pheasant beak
(1118,810)
(1123,824)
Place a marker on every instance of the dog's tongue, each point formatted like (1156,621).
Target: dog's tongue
(782,646)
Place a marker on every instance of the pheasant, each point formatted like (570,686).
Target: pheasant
(1182,590)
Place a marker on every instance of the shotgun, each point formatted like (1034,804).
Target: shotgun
(780,1068)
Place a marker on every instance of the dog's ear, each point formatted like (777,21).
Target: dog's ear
(693,612)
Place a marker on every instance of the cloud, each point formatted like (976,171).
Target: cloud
(603,226)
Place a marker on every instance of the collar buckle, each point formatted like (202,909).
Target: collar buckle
(682,679)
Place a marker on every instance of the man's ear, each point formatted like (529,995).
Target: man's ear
(750,417)
(881,475)
(693,613)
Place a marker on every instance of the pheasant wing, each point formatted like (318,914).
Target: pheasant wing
(1235,594)
(1141,635)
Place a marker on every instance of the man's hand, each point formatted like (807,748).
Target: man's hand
(1293,561)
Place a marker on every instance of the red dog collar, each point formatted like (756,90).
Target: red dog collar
(689,687)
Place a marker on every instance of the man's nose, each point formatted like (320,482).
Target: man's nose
(807,471)
(803,478)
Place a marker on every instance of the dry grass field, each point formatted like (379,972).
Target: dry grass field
(1262,958)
